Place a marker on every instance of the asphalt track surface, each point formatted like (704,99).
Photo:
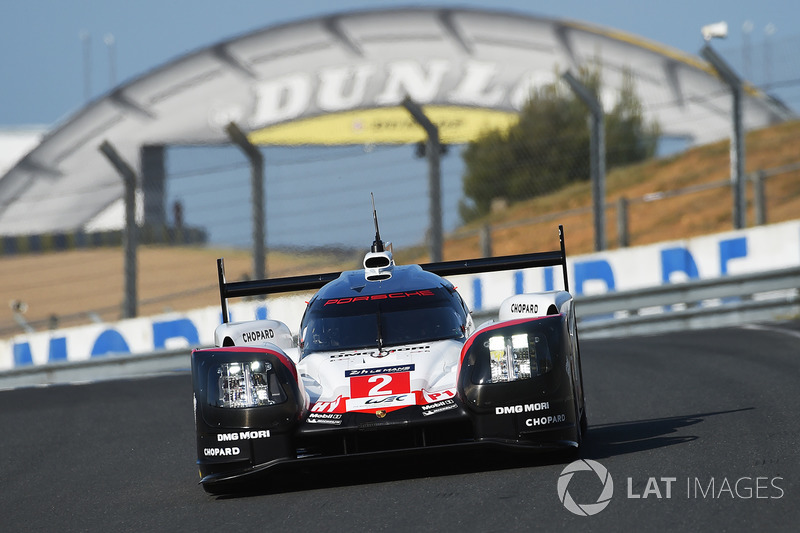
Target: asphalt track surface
(715,410)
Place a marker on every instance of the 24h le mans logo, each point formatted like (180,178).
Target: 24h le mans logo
(586,509)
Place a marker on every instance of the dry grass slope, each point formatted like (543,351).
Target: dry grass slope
(674,218)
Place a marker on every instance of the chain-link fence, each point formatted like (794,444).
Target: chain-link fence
(318,208)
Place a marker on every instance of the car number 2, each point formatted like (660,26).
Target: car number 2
(380,384)
(383,380)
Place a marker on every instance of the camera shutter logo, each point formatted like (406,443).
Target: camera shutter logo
(585,509)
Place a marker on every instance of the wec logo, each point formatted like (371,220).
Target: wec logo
(586,509)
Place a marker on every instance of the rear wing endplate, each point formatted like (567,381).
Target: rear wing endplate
(261,287)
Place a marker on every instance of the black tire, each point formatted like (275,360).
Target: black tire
(584,422)
(578,429)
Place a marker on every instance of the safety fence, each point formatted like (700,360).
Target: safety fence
(621,207)
(76,240)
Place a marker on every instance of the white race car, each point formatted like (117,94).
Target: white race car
(387,360)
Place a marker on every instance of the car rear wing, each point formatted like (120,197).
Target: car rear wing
(262,287)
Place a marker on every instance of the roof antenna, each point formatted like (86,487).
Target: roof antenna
(377,244)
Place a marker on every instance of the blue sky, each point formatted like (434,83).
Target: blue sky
(42,53)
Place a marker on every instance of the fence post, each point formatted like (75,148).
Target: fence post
(759,198)
(622,222)
(734,82)
(129,234)
(486,240)
(597,149)
(433,150)
(252,152)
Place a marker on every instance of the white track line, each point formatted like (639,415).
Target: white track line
(790,332)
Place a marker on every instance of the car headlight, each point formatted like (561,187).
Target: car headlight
(247,384)
(515,357)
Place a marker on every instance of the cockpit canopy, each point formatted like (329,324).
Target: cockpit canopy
(378,320)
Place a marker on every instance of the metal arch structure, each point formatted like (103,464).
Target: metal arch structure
(326,74)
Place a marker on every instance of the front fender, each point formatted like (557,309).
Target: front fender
(239,426)
(516,380)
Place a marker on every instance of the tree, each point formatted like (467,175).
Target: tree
(549,147)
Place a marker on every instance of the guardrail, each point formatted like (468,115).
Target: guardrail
(726,301)
(719,302)
(107,367)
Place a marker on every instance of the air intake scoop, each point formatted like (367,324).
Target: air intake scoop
(378,266)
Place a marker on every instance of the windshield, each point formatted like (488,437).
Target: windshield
(382,320)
